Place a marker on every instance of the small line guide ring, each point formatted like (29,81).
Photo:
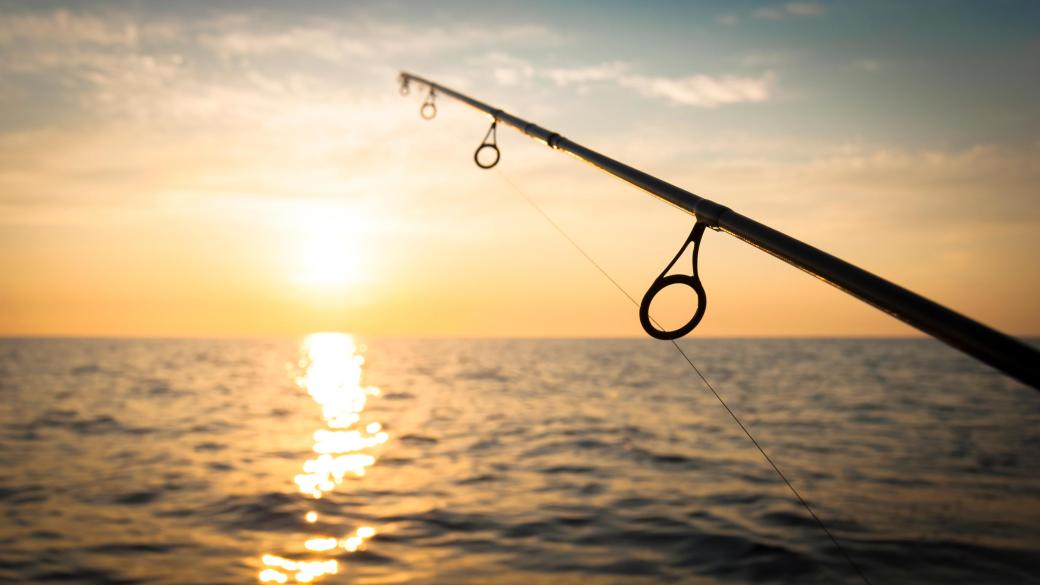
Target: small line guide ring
(428,107)
(659,285)
(476,155)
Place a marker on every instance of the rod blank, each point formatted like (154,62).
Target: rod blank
(1003,352)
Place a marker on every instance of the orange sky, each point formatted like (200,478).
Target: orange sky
(250,174)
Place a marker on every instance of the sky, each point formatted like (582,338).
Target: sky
(240,169)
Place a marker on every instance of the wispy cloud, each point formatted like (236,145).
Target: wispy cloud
(766,59)
(115,66)
(509,70)
(39,40)
(64,28)
(929,187)
(789,9)
(142,114)
(704,91)
(871,65)
(803,8)
(601,72)
(334,41)
(506,69)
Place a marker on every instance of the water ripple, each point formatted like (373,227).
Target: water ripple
(508,461)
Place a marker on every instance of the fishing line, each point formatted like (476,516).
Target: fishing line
(733,415)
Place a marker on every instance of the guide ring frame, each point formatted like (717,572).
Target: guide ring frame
(492,134)
(428,110)
(665,280)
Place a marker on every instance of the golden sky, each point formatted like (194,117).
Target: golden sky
(183,170)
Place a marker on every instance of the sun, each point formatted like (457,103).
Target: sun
(328,252)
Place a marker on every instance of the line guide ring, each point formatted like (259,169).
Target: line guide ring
(665,280)
(428,110)
(492,133)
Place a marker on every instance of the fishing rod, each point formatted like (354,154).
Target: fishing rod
(1001,351)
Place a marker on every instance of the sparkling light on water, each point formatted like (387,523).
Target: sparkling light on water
(331,369)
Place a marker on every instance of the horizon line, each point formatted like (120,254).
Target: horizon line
(186,337)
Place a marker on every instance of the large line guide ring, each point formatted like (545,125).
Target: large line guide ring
(665,280)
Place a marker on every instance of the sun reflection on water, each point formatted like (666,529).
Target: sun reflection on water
(331,368)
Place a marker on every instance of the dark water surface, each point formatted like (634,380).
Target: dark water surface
(340,460)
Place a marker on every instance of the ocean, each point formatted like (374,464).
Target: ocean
(340,459)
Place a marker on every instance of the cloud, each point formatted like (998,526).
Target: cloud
(513,76)
(789,9)
(108,66)
(765,59)
(509,70)
(336,41)
(81,45)
(602,72)
(321,42)
(139,115)
(506,69)
(791,177)
(704,91)
(62,27)
(32,41)
(728,19)
(803,8)
(871,65)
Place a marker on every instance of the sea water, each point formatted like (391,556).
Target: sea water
(340,459)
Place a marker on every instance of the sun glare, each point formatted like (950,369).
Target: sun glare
(329,254)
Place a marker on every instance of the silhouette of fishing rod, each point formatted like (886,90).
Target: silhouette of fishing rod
(1003,352)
